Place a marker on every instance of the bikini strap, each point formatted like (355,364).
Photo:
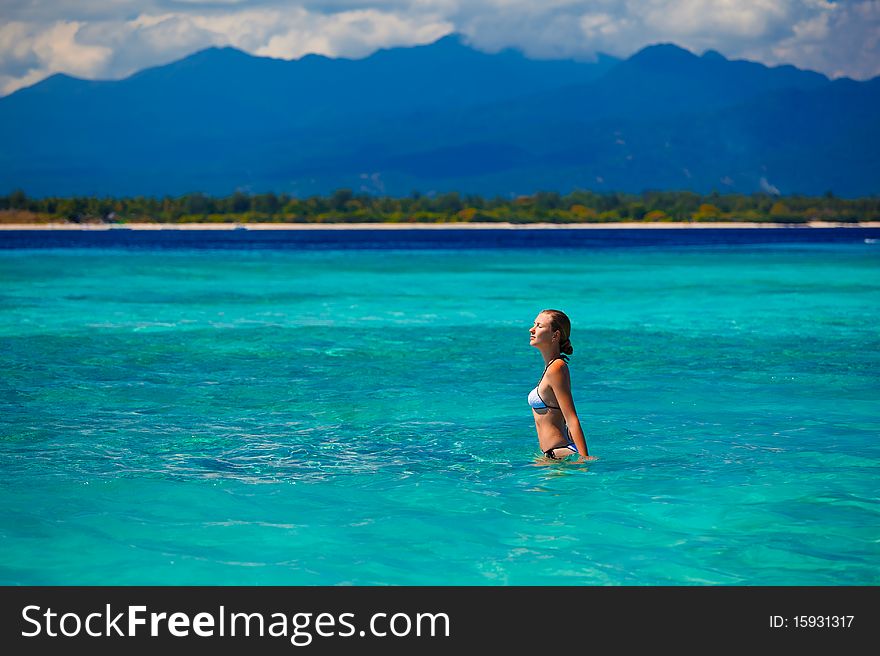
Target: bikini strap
(548,366)
(545,370)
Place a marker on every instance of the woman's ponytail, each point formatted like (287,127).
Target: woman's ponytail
(560,321)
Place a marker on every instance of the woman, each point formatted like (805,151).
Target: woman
(559,431)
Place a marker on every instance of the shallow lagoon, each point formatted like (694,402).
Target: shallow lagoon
(348,415)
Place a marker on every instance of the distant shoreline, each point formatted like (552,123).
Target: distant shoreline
(430,226)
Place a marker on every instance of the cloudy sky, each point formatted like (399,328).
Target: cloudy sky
(111,39)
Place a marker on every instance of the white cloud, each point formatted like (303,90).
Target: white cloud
(621,27)
(844,40)
(769,188)
(15,43)
(58,46)
(719,18)
(353,34)
(111,39)
(31,54)
(835,38)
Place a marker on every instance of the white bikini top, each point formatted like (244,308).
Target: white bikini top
(535,399)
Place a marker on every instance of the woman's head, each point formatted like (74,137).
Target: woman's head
(553,328)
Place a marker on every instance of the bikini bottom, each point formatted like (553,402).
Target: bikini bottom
(567,445)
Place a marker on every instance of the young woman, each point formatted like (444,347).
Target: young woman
(559,430)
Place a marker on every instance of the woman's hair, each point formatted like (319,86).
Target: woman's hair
(560,321)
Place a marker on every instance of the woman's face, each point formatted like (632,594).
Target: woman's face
(541,331)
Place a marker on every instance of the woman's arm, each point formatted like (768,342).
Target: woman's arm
(560,381)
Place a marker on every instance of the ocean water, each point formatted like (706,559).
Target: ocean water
(257,409)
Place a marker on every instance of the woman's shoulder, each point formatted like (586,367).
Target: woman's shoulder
(558,367)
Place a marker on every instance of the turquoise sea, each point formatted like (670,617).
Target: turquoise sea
(357,415)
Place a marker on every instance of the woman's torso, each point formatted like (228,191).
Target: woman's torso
(549,421)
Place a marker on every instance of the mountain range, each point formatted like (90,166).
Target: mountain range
(444,117)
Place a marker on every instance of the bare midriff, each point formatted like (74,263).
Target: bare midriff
(550,424)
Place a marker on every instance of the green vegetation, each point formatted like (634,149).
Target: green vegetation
(344,206)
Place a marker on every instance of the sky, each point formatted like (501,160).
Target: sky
(111,39)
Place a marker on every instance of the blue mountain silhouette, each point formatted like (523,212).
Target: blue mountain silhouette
(444,117)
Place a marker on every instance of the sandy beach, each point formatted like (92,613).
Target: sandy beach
(428,226)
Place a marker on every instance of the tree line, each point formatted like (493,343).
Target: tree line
(346,206)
